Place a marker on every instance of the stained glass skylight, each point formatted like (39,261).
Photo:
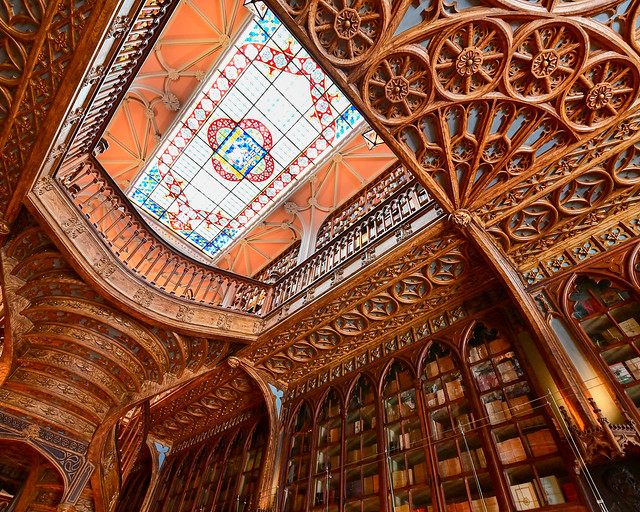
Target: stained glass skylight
(263,118)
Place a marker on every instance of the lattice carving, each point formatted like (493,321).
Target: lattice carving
(398,87)
(470,58)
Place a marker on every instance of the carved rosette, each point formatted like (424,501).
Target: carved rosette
(546,57)
(605,89)
(469,59)
(398,87)
(347,32)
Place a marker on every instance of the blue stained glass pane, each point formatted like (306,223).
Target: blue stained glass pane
(153,207)
(241,151)
(154,174)
(138,196)
(198,240)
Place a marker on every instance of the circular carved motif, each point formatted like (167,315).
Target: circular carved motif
(379,307)
(447,268)
(469,58)
(605,89)
(324,339)
(346,31)
(531,222)
(301,352)
(296,7)
(625,168)
(544,64)
(279,364)
(351,324)
(546,57)
(599,95)
(411,289)
(469,61)
(398,87)
(584,193)
(347,23)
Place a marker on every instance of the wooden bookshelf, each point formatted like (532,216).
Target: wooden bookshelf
(610,319)
(328,459)
(362,467)
(456,446)
(227,494)
(523,435)
(248,487)
(406,461)
(297,468)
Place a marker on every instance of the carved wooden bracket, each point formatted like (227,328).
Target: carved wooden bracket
(608,441)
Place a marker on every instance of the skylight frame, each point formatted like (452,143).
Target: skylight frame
(347,115)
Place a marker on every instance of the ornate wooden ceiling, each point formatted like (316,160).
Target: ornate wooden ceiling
(520,118)
(498,106)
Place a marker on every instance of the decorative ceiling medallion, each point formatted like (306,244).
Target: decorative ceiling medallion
(241,149)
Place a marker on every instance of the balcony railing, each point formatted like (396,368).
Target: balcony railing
(408,203)
(144,253)
(140,250)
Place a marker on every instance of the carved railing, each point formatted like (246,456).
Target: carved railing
(281,265)
(371,197)
(144,253)
(141,251)
(409,203)
(138,34)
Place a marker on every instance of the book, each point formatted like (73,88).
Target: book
(541,443)
(454,389)
(630,327)
(621,373)
(511,450)
(633,365)
(449,467)
(590,305)
(524,496)
(521,405)
(552,489)
(498,411)
(610,297)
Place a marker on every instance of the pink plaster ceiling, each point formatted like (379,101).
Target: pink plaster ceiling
(195,37)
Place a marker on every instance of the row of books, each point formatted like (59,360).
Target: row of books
(497,411)
(435,394)
(488,504)
(360,425)
(442,365)
(396,411)
(370,485)
(480,352)
(508,370)
(402,478)
(366,452)
(511,450)
(527,496)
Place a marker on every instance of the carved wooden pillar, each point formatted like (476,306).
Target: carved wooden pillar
(563,371)
(272,393)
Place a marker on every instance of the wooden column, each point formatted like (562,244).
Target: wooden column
(572,387)
(273,451)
